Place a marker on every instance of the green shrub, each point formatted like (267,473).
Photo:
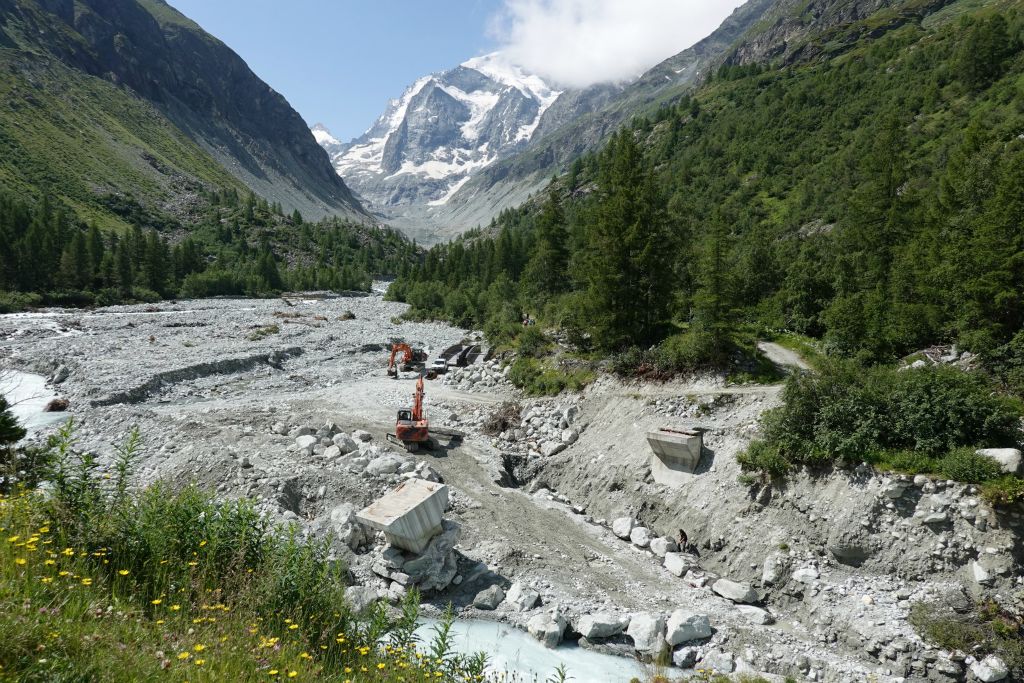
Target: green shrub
(983,630)
(264,332)
(15,302)
(679,354)
(538,378)
(1004,491)
(912,420)
(532,343)
(963,464)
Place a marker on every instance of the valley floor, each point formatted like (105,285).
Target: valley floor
(218,388)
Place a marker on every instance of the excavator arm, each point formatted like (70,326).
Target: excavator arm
(408,355)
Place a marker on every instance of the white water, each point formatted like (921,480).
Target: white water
(522,659)
(28,396)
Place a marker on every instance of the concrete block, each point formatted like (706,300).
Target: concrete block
(676,454)
(410,515)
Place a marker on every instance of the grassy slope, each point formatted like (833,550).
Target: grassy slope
(80,138)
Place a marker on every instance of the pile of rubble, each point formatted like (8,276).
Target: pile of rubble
(546,429)
(485,375)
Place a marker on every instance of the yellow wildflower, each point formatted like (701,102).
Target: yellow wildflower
(184,655)
(124,572)
(20,561)
(157,601)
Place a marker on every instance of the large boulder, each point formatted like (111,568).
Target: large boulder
(640,536)
(601,625)
(719,662)
(623,526)
(521,598)
(990,669)
(362,435)
(663,545)
(306,443)
(547,627)
(684,626)
(1008,458)
(807,574)
(489,598)
(385,464)
(345,443)
(735,591)
(437,565)
(648,632)
(755,615)
(360,597)
(774,568)
(680,563)
(345,526)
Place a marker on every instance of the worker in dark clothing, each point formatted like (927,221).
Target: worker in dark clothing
(683,541)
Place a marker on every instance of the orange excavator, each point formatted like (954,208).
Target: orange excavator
(412,430)
(410,357)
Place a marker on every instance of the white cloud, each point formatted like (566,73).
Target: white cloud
(577,43)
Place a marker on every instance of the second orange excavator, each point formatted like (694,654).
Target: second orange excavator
(410,357)
(412,430)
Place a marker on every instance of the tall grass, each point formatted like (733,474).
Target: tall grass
(100,583)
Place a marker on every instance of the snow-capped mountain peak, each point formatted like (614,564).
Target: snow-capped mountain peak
(444,127)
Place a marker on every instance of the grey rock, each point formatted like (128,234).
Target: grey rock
(623,526)
(360,597)
(306,443)
(437,565)
(685,657)
(936,518)
(806,574)
(735,591)
(547,627)
(362,435)
(684,626)
(680,563)
(551,448)
(332,452)
(719,662)
(520,598)
(662,546)
(640,537)
(385,464)
(345,443)
(647,631)
(1008,458)
(601,625)
(990,669)
(489,598)
(570,436)
(774,568)
(755,615)
(980,575)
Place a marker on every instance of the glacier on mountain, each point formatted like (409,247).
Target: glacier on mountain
(446,126)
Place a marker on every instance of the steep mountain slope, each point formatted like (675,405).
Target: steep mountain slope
(129,99)
(431,140)
(757,32)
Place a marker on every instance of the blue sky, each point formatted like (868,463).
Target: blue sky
(339,61)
